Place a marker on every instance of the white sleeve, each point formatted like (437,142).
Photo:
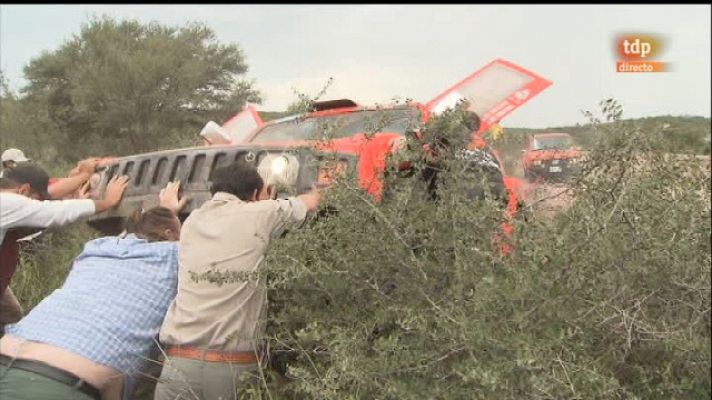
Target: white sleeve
(292,209)
(21,211)
(288,211)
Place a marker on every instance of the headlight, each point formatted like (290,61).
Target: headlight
(279,165)
(279,169)
(537,162)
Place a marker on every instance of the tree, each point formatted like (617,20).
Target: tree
(20,126)
(4,91)
(124,87)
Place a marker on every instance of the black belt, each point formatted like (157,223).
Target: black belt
(51,372)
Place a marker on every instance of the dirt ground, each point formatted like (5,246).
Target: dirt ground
(545,198)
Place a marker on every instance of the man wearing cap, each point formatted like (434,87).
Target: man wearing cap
(11,157)
(58,188)
(22,190)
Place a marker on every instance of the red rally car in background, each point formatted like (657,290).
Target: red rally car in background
(492,92)
(550,156)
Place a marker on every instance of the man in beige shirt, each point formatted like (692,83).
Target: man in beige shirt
(212,329)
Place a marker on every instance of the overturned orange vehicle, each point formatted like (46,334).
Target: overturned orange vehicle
(275,147)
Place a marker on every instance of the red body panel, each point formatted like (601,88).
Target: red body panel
(496,112)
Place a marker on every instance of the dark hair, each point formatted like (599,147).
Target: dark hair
(8,183)
(473,122)
(28,173)
(150,224)
(239,179)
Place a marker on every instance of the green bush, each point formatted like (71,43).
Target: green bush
(411,298)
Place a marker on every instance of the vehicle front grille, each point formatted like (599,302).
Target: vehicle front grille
(151,172)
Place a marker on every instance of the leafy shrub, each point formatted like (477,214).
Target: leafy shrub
(410,298)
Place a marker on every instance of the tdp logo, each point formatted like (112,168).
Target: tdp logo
(636,53)
(636,48)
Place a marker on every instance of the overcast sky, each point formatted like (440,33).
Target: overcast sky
(376,52)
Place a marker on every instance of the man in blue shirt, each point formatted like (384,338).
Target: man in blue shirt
(83,340)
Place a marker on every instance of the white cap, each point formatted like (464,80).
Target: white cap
(15,155)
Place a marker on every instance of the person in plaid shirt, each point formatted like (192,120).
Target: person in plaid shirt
(86,338)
